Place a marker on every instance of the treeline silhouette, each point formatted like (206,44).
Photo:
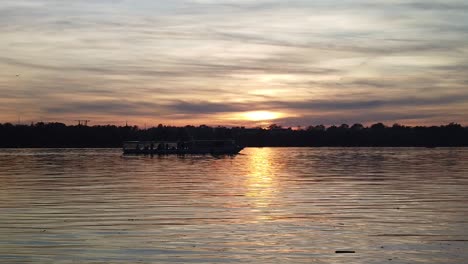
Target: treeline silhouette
(60,135)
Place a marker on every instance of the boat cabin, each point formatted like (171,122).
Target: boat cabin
(181,147)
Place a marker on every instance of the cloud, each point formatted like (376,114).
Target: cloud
(203,57)
(121,108)
(372,104)
(313,105)
(459,6)
(206,107)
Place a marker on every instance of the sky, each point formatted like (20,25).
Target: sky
(234,62)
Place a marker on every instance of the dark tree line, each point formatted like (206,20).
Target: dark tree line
(61,135)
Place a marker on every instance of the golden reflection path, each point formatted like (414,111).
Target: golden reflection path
(261,184)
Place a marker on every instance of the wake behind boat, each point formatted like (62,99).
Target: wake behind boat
(215,147)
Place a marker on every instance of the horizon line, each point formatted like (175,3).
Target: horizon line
(272,125)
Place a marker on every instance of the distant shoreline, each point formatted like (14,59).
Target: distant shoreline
(299,147)
(58,135)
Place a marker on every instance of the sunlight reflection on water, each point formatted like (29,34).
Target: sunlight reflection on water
(261,183)
(266,205)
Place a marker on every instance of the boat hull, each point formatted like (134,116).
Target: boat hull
(226,151)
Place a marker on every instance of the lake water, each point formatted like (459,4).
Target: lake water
(266,205)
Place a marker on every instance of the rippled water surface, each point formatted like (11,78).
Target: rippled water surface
(266,205)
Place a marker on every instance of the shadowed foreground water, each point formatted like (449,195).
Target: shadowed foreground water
(267,205)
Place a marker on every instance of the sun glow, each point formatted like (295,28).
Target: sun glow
(260,115)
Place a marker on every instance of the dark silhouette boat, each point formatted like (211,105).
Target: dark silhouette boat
(214,147)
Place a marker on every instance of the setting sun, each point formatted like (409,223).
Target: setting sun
(260,115)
